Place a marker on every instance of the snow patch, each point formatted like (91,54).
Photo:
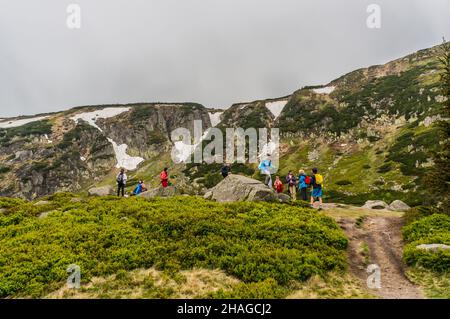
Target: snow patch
(276,107)
(92,117)
(123,159)
(325,90)
(17,123)
(215,118)
(49,141)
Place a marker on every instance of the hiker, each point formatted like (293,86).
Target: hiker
(265,166)
(121,182)
(291,180)
(164,177)
(140,188)
(226,170)
(303,182)
(278,185)
(317,185)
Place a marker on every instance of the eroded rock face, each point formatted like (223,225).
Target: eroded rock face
(237,188)
(160,192)
(399,206)
(101,191)
(376,204)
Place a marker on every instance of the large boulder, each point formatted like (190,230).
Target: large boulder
(235,188)
(101,191)
(399,206)
(160,192)
(376,204)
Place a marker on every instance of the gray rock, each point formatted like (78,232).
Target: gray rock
(376,204)
(399,206)
(23,155)
(101,191)
(42,203)
(160,192)
(45,214)
(284,198)
(236,188)
(433,247)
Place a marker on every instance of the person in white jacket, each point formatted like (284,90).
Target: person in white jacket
(121,182)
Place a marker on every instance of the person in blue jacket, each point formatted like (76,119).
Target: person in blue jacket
(302,185)
(265,167)
(139,188)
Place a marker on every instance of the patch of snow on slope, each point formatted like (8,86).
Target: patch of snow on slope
(215,118)
(92,117)
(276,107)
(325,90)
(17,123)
(181,152)
(123,159)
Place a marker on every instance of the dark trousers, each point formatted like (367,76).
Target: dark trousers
(303,194)
(120,186)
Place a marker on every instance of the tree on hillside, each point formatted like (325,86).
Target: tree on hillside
(438,180)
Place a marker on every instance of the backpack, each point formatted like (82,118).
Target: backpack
(120,178)
(319,179)
(292,181)
(307,180)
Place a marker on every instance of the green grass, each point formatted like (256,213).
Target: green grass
(266,246)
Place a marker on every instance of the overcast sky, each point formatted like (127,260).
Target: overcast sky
(215,52)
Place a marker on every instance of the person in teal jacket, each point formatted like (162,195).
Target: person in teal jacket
(265,167)
(302,185)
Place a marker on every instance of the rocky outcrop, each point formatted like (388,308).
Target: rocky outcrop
(160,192)
(101,191)
(399,206)
(376,204)
(433,247)
(236,188)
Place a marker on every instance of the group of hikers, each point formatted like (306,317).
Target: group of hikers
(140,188)
(303,182)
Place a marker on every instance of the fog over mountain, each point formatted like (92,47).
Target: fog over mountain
(215,52)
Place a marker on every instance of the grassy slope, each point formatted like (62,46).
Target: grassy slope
(268,248)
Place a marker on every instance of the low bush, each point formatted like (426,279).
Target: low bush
(261,244)
(433,229)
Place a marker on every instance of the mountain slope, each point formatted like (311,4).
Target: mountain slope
(371,133)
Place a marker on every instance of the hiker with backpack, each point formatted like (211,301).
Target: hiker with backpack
(164,177)
(226,170)
(291,180)
(278,185)
(303,182)
(265,167)
(140,188)
(317,187)
(121,182)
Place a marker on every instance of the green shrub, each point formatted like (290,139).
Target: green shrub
(385,168)
(254,242)
(4,169)
(433,229)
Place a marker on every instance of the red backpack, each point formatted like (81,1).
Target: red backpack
(307,180)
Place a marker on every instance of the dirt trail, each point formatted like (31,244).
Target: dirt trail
(380,233)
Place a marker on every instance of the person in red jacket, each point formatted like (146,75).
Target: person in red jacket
(278,185)
(164,177)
